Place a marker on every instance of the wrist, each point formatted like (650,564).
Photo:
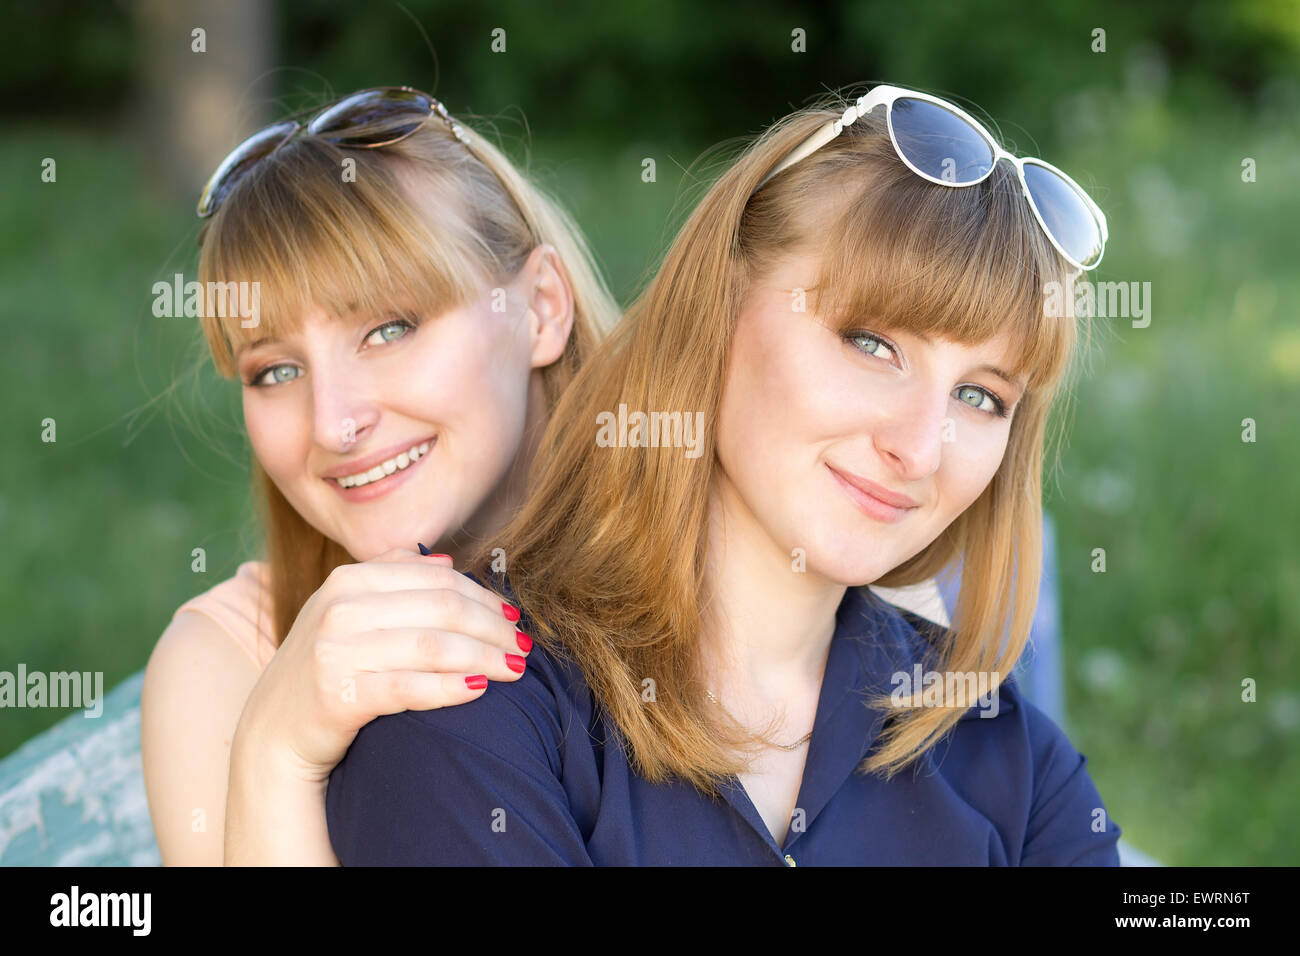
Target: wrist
(275,813)
(261,763)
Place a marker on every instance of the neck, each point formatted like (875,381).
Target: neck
(767,627)
(505,499)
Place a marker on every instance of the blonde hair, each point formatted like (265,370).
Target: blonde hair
(310,238)
(607,554)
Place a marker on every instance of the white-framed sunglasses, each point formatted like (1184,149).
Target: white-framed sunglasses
(946,145)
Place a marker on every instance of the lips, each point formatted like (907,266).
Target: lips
(880,492)
(359,465)
(866,501)
(392,476)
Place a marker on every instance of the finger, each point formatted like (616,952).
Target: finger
(401,571)
(436,608)
(431,650)
(412,553)
(392,692)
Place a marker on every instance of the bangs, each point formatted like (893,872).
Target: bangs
(962,263)
(310,238)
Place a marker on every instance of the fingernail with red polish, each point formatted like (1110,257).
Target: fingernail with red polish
(512,614)
(477,682)
(524,641)
(516,663)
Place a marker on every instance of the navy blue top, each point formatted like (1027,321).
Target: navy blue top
(529,773)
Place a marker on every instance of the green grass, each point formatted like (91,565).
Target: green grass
(100,523)
(1202,587)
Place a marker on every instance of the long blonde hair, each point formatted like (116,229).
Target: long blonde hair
(607,555)
(310,238)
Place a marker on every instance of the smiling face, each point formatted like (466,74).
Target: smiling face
(427,419)
(401,344)
(330,399)
(814,423)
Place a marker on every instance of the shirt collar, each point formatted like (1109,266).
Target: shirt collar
(873,640)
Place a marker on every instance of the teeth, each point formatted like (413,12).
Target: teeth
(403,460)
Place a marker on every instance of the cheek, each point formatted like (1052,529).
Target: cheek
(469,377)
(278,434)
(776,400)
(968,465)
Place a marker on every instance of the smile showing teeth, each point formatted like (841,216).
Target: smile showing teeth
(404,460)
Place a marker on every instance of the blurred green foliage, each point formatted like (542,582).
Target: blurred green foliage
(638,65)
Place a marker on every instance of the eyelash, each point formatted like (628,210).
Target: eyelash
(411,322)
(849,337)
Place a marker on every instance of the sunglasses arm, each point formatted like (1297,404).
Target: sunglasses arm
(864,105)
(805,149)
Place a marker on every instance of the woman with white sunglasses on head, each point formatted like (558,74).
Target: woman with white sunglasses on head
(856,308)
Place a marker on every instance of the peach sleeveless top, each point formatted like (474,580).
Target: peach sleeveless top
(241,605)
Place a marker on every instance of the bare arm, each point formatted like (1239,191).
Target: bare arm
(274,815)
(194,689)
(399,632)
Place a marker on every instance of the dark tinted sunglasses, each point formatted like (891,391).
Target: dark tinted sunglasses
(364,120)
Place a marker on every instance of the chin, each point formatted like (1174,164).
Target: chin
(853,575)
(850,557)
(367,548)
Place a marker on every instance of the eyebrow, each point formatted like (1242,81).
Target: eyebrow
(249,346)
(1000,373)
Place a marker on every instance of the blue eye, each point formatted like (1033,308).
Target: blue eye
(858,337)
(871,344)
(274,371)
(402,325)
(998,408)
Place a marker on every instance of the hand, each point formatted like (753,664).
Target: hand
(398,632)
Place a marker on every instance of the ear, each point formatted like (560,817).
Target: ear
(546,286)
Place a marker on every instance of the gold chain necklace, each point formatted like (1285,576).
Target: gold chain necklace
(794,746)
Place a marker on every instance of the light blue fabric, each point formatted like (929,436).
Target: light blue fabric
(74,795)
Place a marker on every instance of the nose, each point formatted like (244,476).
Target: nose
(908,432)
(344,410)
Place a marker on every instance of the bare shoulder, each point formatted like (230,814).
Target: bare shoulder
(197,660)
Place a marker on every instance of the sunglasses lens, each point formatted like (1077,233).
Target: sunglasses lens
(938,142)
(1065,214)
(251,151)
(372,117)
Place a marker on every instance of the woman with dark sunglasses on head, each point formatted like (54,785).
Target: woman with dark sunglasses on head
(422,306)
(861,325)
